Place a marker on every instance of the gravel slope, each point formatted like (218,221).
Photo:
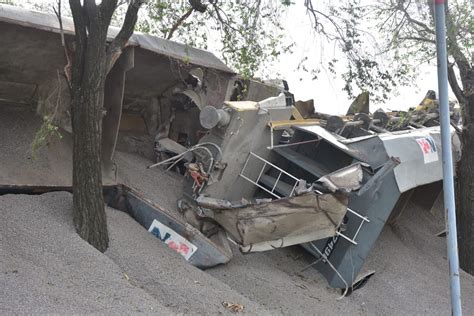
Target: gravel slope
(165,275)
(411,276)
(46,268)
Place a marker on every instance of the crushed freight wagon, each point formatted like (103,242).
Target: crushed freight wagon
(327,182)
(262,172)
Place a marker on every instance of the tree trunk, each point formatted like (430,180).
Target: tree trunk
(92,60)
(89,212)
(86,109)
(465,212)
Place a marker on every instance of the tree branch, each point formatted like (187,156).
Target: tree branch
(461,60)
(67,53)
(425,27)
(92,14)
(453,83)
(179,22)
(223,21)
(419,39)
(310,9)
(60,20)
(115,48)
(80,36)
(107,9)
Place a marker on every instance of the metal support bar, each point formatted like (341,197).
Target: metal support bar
(448,174)
(274,186)
(294,188)
(346,238)
(251,154)
(265,164)
(365,219)
(261,186)
(358,230)
(261,172)
(297,143)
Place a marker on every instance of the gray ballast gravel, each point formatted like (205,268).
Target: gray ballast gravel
(45,267)
(165,275)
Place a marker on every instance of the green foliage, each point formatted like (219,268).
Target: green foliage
(44,135)
(408,34)
(367,66)
(248,32)
(381,44)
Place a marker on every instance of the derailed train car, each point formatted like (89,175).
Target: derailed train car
(259,173)
(277,182)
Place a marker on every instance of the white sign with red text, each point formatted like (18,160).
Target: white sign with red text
(428,147)
(174,240)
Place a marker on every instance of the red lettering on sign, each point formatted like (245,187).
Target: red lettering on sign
(183,248)
(173,245)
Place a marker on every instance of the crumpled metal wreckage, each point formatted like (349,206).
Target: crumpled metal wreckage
(259,170)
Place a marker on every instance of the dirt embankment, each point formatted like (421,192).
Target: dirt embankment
(46,268)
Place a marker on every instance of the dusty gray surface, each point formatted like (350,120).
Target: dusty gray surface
(411,276)
(53,164)
(45,267)
(18,126)
(165,275)
(162,187)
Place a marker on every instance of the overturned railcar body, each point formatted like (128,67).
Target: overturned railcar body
(266,171)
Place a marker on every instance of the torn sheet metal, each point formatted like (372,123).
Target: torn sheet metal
(374,183)
(218,204)
(277,243)
(309,216)
(347,179)
(331,138)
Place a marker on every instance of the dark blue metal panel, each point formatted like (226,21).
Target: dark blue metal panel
(346,257)
(208,254)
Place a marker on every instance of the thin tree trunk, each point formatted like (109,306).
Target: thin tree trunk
(465,213)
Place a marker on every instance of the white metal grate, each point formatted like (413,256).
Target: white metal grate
(266,166)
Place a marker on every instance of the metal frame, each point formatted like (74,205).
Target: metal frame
(265,163)
(281,171)
(288,123)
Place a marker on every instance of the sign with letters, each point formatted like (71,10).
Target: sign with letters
(174,240)
(428,148)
